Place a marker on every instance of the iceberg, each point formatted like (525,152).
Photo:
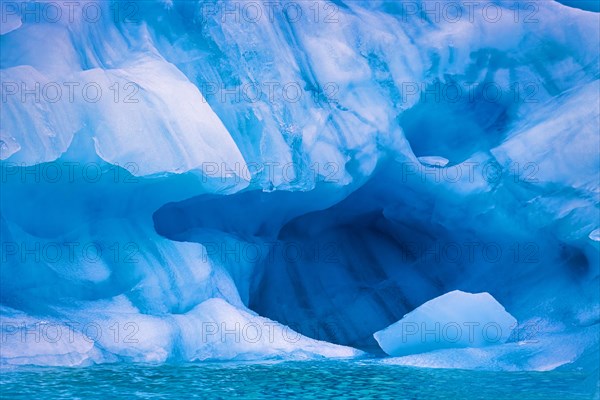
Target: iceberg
(455,319)
(170,166)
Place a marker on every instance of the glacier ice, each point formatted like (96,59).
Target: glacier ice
(197,191)
(455,319)
(116,331)
(532,355)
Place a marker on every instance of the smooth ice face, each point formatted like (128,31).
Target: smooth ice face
(455,319)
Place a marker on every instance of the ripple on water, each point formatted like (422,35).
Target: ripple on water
(307,380)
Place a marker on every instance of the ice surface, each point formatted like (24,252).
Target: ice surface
(115,330)
(363,197)
(455,319)
(434,161)
(228,333)
(525,355)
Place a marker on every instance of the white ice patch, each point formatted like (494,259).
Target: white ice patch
(216,330)
(434,161)
(453,320)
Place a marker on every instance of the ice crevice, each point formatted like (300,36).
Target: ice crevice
(193,225)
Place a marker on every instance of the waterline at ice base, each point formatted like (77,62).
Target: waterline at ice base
(379,192)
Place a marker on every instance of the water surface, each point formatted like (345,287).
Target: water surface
(366,379)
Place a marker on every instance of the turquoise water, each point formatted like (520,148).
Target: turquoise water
(306,380)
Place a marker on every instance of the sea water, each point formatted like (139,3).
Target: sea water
(365,379)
